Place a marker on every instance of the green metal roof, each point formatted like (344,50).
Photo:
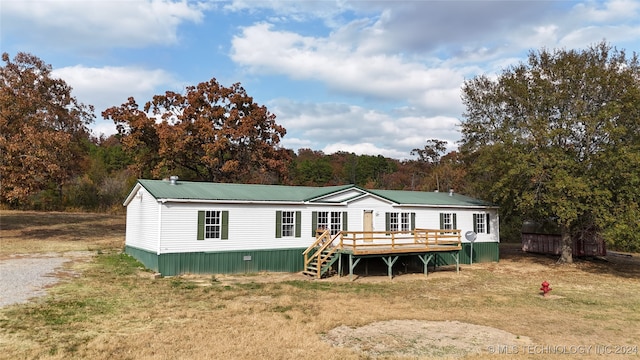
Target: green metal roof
(428,198)
(186,190)
(203,191)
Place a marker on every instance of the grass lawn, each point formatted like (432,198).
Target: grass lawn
(117,310)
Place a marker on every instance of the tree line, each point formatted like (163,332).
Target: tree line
(50,160)
(553,138)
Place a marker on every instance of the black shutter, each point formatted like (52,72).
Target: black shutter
(314,223)
(201,215)
(278,224)
(387,222)
(298,223)
(224,235)
(345,219)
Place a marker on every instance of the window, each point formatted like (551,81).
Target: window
(323,220)
(481,223)
(405,225)
(335,226)
(448,221)
(288,224)
(213,224)
(335,221)
(393,221)
(400,221)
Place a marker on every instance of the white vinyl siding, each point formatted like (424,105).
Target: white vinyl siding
(180,229)
(142,222)
(251,226)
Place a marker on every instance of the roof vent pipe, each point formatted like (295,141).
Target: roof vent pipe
(450,192)
(173,179)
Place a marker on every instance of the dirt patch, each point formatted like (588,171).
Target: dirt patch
(412,338)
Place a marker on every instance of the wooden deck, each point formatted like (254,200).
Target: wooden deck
(388,245)
(398,242)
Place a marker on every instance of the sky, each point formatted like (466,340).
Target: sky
(368,77)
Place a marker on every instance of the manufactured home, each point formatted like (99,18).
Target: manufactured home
(175,227)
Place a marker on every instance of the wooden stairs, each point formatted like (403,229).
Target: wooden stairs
(319,257)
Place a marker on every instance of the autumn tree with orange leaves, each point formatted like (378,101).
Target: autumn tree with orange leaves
(42,128)
(210,133)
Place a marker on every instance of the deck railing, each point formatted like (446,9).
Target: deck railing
(379,243)
(360,242)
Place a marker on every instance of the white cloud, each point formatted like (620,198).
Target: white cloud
(615,11)
(98,24)
(345,69)
(111,86)
(287,10)
(587,36)
(289,142)
(340,127)
(409,60)
(401,64)
(364,149)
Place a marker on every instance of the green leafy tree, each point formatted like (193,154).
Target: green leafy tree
(426,165)
(368,170)
(311,168)
(43,129)
(558,138)
(432,151)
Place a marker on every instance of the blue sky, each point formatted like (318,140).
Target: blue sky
(370,77)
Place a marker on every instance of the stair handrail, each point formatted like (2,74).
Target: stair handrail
(320,260)
(319,238)
(315,252)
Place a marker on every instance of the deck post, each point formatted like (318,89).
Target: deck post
(352,265)
(390,263)
(340,264)
(425,260)
(456,257)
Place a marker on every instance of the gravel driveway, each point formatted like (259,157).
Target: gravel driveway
(23,277)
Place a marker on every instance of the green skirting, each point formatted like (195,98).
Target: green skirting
(482,252)
(228,262)
(147,258)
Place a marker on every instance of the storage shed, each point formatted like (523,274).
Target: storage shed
(545,238)
(176,227)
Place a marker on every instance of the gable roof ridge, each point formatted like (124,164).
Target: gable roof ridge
(193,191)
